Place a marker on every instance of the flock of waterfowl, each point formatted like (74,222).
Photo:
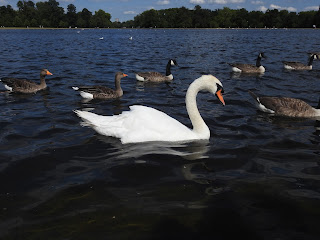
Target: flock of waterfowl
(142,124)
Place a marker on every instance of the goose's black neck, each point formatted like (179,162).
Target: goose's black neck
(168,68)
(310,60)
(258,62)
(318,107)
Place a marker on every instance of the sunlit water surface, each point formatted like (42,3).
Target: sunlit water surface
(257,177)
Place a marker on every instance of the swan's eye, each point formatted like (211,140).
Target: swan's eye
(219,87)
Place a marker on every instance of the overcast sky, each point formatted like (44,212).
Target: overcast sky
(126,9)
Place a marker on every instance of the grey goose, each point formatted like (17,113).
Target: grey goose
(102,92)
(19,85)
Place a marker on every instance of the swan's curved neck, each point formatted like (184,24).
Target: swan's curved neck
(199,126)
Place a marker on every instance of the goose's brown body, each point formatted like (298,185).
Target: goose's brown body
(285,106)
(26,86)
(102,92)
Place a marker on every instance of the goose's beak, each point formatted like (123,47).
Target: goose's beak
(125,75)
(49,73)
(220,97)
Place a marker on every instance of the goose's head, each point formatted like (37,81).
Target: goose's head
(314,56)
(213,85)
(120,75)
(262,55)
(173,62)
(45,72)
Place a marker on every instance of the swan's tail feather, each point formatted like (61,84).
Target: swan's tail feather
(89,119)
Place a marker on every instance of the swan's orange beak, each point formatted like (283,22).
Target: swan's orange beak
(49,73)
(219,95)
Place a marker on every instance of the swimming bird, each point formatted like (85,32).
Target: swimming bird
(156,76)
(300,66)
(249,68)
(19,85)
(101,92)
(145,124)
(285,106)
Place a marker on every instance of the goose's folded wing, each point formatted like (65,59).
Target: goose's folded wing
(18,83)
(286,106)
(150,75)
(96,89)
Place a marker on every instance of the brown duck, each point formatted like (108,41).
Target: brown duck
(101,92)
(25,86)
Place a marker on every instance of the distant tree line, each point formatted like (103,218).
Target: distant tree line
(226,18)
(50,14)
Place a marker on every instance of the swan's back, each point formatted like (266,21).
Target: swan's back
(140,124)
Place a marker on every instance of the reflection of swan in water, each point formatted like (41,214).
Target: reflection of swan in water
(187,150)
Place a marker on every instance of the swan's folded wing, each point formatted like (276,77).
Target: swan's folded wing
(149,124)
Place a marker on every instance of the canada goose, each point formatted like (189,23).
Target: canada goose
(156,76)
(101,92)
(25,86)
(300,66)
(285,106)
(249,68)
(144,124)
(316,53)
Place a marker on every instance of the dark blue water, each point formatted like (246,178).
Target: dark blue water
(257,177)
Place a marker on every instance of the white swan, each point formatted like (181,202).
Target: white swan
(144,124)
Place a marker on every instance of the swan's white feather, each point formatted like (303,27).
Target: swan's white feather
(145,124)
(140,124)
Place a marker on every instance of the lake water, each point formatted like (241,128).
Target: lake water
(258,177)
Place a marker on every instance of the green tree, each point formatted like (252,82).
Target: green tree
(50,14)
(27,13)
(255,19)
(184,18)
(84,18)
(71,15)
(7,16)
(101,19)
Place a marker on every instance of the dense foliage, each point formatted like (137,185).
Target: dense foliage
(226,18)
(49,14)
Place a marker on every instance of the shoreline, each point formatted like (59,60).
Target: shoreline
(51,28)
